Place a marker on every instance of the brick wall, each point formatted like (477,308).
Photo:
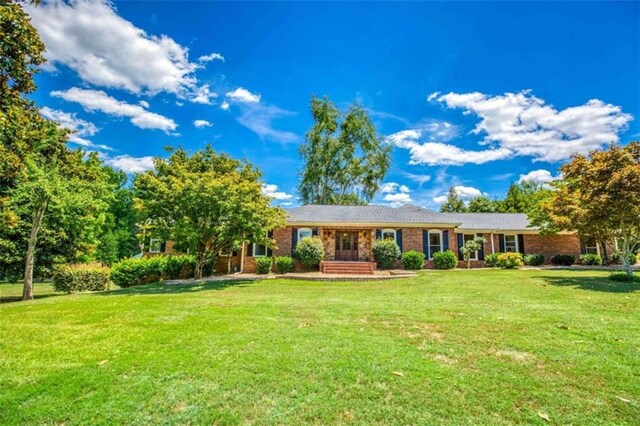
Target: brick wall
(549,245)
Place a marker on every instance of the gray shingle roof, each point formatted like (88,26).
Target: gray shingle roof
(408,214)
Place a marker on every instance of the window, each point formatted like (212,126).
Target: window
(389,234)
(259,250)
(591,247)
(435,242)
(511,243)
(304,233)
(470,237)
(155,245)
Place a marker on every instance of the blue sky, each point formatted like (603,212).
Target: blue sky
(472,95)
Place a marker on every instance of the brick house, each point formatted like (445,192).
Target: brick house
(348,234)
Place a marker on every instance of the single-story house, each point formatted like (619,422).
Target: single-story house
(348,234)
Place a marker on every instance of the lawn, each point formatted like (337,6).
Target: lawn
(455,347)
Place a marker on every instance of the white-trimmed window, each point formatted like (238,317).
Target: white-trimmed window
(470,237)
(511,243)
(155,245)
(435,242)
(389,234)
(591,247)
(304,233)
(259,250)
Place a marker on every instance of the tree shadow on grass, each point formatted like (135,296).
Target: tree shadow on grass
(160,288)
(593,284)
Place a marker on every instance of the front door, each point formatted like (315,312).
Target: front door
(346,245)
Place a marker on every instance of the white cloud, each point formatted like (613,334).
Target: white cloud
(81,128)
(202,123)
(242,95)
(398,199)
(144,104)
(203,95)
(396,194)
(97,100)
(288,203)
(129,164)
(106,50)
(271,191)
(420,179)
(211,57)
(539,176)
(465,192)
(391,187)
(259,119)
(224,105)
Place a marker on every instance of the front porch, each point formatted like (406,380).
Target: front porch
(347,267)
(348,244)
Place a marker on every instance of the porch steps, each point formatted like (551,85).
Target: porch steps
(346,267)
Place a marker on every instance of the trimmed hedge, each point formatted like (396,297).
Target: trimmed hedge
(284,264)
(385,253)
(263,265)
(563,259)
(533,259)
(491,260)
(310,251)
(81,277)
(510,260)
(179,267)
(616,258)
(445,259)
(590,259)
(412,260)
(130,272)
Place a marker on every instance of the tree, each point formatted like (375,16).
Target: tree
(598,196)
(483,204)
(206,202)
(344,168)
(522,197)
(454,202)
(470,247)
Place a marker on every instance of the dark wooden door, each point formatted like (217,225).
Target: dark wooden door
(346,245)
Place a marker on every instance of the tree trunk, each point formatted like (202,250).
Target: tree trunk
(468,263)
(625,257)
(27,289)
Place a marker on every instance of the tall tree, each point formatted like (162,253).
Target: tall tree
(345,167)
(206,202)
(598,196)
(483,204)
(522,197)
(454,202)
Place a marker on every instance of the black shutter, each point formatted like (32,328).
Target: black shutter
(521,243)
(399,238)
(481,251)
(501,243)
(445,240)
(583,247)
(314,232)
(294,241)
(425,244)
(163,246)
(460,245)
(378,234)
(269,249)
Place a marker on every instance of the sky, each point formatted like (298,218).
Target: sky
(473,95)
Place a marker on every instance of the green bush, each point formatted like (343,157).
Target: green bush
(616,258)
(385,253)
(510,260)
(491,260)
(284,264)
(310,251)
(263,264)
(563,259)
(81,277)
(533,259)
(590,259)
(179,267)
(445,259)
(413,260)
(622,277)
(129,272)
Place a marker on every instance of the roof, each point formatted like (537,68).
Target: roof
(407,214)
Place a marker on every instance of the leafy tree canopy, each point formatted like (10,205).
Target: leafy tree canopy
(454,203)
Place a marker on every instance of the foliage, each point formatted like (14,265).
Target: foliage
(445,259)
(563,259)
(454,202)
(385,253)
(616,258)
(491,260)
(483,204)
(284,264)
(179,267)
(623,277)
(81,277)
(344,168)
(590,259)
(599,197)
(205,203)
(510,260)
(263,264)
(523,197)
(532,259)
(130,272)
(470,247)
(310,251)
(413,260)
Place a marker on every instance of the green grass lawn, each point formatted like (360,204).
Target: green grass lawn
(455,347)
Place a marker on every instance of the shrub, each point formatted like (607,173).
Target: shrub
(413,260)
(445,259)
(616,258)
(310,251)
(182,267)
(563,259)
(491,260)
(590,259)
(263,264)
(82,277)
(128,272)
(622,277)
(533,259)
(510,260)
(284,264)
(386,252)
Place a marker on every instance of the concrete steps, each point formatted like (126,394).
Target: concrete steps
(344,267)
